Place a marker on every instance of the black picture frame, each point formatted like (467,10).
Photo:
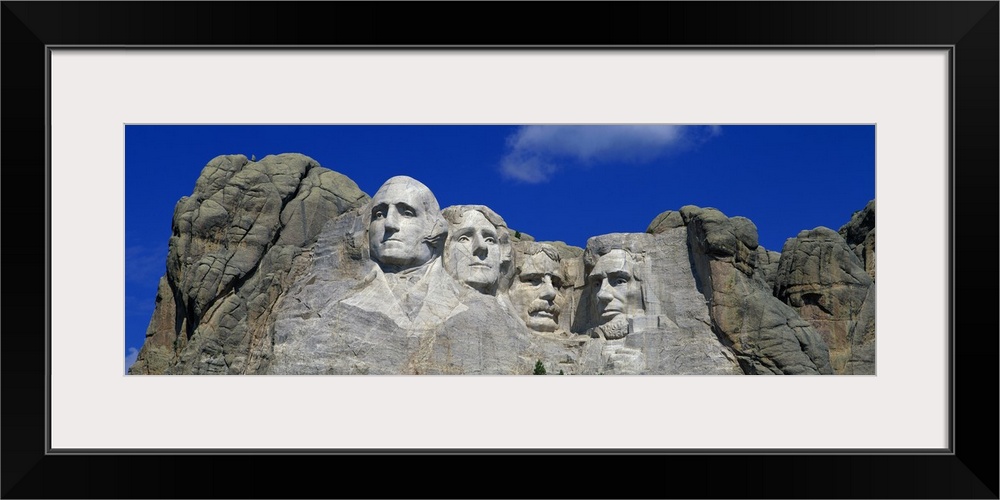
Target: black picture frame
(968,470)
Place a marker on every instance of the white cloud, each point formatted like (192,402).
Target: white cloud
(130,358)
(536,152)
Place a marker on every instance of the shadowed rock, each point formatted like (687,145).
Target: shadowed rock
(859,234)
(767,266)
(862,339)
(823,279)
(767,335)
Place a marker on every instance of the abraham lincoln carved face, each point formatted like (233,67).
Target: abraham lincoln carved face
(615,289)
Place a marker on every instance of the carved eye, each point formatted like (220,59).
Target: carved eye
(620,281)
(378,214)
(407,212)
(556,282)
(463,238)
(490,239)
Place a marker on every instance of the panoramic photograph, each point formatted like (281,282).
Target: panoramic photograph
(536,249)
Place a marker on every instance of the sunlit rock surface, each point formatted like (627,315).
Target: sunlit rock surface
(283,267)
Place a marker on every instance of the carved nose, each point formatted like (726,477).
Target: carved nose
(604,292)
(548,291)
(479,248)
(392,220)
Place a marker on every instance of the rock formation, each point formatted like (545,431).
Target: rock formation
(233,243)
(281,266)
(641,305)
(859,234)
(767,335)
(823,279)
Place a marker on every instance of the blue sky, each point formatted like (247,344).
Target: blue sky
(553,182)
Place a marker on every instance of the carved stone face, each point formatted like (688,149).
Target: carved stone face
(616,292)
(472,253)
(400,224)
(535,292)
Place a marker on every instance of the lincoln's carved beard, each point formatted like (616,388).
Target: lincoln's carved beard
(616,328)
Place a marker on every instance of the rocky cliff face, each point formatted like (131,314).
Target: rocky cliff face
(281,266)
(826,283)
(234,240)
(859,234)
(767,335)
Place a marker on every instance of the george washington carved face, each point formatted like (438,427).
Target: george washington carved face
(404,220)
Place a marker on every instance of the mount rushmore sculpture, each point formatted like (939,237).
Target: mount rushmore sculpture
(280,266)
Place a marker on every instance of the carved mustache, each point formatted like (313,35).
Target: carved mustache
(544,307)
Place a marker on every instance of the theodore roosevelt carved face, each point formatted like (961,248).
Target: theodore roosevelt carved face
(535,291)
(405,226)
(477,251)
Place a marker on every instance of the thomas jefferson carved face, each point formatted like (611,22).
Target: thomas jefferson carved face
(403,216)
(473,253)
(616,292)
(535,292)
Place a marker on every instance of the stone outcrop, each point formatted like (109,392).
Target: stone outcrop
(667,328)
(859,234)
(232,247)
(824,280)
(767,266)
(665,221)
(767,335)
(343,315)
(281,266)
(862,339)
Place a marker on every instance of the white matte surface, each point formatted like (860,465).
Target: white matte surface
(94,93)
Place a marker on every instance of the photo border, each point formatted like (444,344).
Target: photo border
(31,30)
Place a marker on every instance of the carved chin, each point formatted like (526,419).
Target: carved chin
(395,255)
(477,274)
(481,282)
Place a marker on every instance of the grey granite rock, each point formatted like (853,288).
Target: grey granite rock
(234,240)
(767,266)
(348,313)
(860,236)
(340,317)
(654,320)
(767,335)
(665,221)
(823,279)
(280,266)
(862,339)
